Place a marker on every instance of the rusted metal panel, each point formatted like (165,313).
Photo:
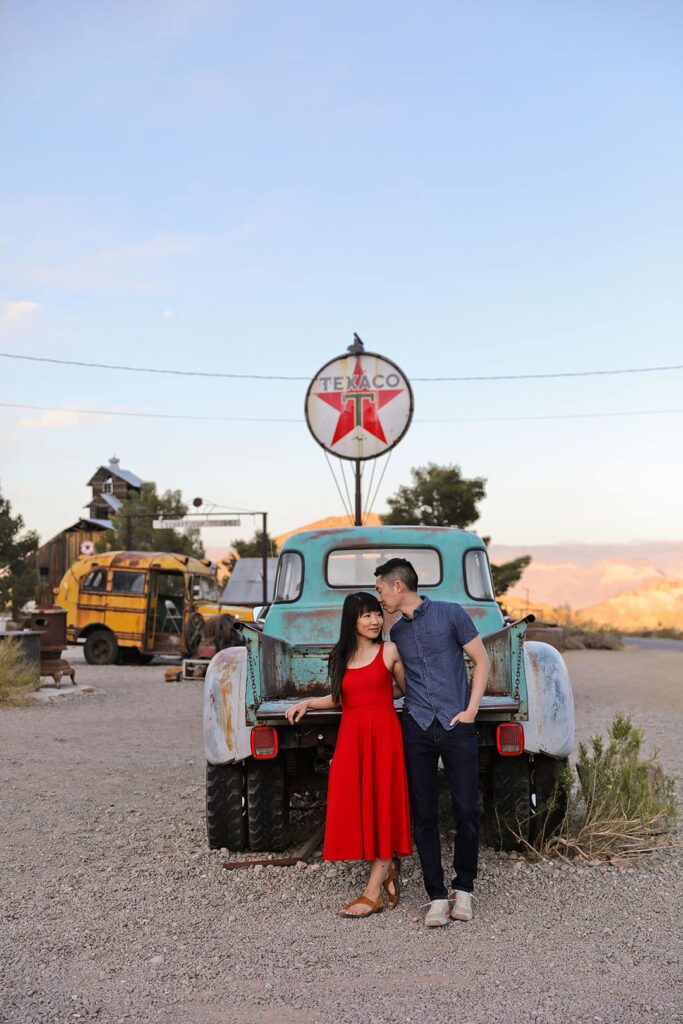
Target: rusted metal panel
(550,725)
(291,670)
(226,733)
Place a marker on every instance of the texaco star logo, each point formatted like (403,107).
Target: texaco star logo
(359,405)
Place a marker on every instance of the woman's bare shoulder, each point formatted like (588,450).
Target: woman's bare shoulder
(390,652)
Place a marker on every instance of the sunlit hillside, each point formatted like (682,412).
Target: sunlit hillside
(655,605)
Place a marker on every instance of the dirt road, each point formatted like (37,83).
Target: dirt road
(115,910)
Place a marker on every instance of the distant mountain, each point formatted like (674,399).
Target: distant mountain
(655,605)
(581,575)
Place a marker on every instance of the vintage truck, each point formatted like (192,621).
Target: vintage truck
(256,760)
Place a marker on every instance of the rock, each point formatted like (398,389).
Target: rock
(620,862)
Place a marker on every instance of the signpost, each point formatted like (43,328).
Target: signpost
(218,519)
(358,407)
(179,524)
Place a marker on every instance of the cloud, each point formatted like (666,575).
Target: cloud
(59,419)
(133,267)
(13,312)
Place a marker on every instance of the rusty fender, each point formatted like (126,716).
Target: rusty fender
(550,728)
(227,737)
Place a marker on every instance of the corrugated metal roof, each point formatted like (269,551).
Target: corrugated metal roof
(85,521)
(245,585)
(113,469)
(125,474)
(113,502)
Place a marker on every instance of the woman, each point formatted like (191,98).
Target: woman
(367,795)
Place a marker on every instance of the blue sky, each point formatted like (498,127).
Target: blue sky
(482,188)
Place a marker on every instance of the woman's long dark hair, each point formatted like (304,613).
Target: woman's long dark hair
(355,605)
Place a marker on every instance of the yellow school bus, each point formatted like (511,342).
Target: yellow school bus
(131,605)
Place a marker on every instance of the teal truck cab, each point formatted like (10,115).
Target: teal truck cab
(256,760)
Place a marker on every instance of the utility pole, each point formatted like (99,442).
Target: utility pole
(264,554)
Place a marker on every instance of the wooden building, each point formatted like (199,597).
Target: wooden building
(110,486)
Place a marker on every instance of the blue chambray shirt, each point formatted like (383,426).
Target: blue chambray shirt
(430,645)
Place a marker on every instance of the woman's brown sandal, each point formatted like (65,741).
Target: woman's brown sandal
(393,878)
(376,906)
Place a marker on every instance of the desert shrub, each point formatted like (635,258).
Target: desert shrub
(618,803)
(664,633)
(588,636)
(17,677)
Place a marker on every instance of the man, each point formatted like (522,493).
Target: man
(438,721)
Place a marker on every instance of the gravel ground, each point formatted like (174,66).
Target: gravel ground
(115,910)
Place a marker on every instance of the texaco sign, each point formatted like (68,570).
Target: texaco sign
(359,406)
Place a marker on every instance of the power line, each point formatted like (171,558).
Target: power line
(149,415)
(283,377)
(149,369)
(277,419)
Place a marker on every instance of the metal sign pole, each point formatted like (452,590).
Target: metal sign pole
(359,500)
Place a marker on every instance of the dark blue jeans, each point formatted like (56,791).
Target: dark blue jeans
(458,748)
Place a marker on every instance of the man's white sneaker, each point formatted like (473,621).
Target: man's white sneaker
(461,905)
(439,914)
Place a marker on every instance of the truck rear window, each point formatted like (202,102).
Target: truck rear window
(478,582)
(290,576)
(355,567)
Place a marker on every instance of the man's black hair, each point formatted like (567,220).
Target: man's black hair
(398,569)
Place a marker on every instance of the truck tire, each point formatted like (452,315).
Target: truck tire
(267,805)
(225,818)
(550,793)
(101,647)
(507,811)
(192,632)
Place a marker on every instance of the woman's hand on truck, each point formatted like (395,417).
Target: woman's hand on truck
(297,711)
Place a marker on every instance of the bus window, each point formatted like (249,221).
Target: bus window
(123,582)
(95,581)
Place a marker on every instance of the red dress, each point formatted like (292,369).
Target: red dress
(367,795)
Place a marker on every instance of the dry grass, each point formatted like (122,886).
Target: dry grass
(17,677)
(619,803)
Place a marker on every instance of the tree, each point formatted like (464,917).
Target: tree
(249,548)
(138,534)
(439,496)
(442,496)
(18,578)
(509,573)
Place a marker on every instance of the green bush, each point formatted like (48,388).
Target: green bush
(618,803)
(17,677)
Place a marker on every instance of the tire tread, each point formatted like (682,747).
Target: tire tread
(225,818)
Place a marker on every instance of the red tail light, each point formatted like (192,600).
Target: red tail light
(263,742)
(510,739)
